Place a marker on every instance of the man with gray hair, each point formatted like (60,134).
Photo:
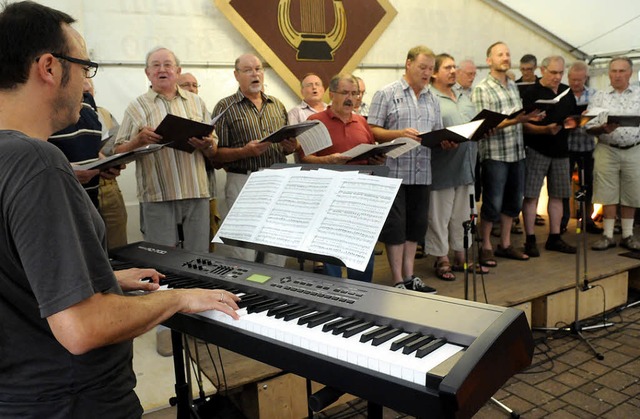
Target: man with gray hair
(616,172)
(465,75)
(547,152)
(173,188)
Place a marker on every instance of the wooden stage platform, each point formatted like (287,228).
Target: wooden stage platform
(537,285)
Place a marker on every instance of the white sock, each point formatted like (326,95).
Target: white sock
(627,227)
(607,225)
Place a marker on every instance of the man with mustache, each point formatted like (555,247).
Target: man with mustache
(347,130)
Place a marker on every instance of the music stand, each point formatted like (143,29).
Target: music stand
(576,327)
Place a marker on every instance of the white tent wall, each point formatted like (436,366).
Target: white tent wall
(120,32)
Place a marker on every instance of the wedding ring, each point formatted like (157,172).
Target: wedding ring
(221,297)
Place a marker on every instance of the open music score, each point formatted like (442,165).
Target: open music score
(322,212)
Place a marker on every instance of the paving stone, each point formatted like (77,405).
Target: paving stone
(571,379)
(631,368)
(586,402)
(562,414)
(579,413)
(610,396)
(622,411)
(614,359)
(554,387)
(596,367)
(617,380)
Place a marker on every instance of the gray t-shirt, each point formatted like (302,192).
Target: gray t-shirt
(52,256)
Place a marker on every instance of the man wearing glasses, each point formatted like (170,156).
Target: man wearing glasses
(172,184)
(67,329)
(249,115)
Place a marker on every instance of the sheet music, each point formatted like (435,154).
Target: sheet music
(337,214)
(409,145)
(315,139)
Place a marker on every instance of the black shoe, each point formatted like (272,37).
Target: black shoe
(531,249)
(594,229)
(415,284)
(560,246)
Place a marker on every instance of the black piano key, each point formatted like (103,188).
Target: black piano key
(297,313)
(354,330)
(395,345)
(279,312)
(389,334)
(341,328)
(315,319)
(427,348)
(333,324)
(264,305)
(247,301)
(418,343)
(366,337)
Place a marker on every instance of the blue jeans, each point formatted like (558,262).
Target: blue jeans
(336,271)
(502,189)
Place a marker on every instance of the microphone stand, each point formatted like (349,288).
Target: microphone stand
(470,232)
(576,327)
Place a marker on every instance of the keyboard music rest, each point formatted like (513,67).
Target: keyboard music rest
(498,340)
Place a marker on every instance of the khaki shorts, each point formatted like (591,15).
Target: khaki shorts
(616,176)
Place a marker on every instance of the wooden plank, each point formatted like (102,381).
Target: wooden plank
(558,309)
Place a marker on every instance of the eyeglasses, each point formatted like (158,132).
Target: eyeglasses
(185,85)
(90,68)
(249,71)
(157,66)
(345,93)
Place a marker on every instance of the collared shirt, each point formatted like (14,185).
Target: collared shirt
(363,110)
(464,90)
(507,144)
(301,112)
(243,122)
(396,107)
(579,140)
(344,136)
(625,103)
(456,167)
(167,174)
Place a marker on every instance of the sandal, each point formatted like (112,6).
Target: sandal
(486,258)
(511,253)
(480,270)
(539,220)
(443,270)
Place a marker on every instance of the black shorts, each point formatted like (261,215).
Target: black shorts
(408,217)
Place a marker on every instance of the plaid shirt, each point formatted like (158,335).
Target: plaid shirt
(579,140)
(396,107)
(243,122)
(507,144)
(168,174)
(625,103)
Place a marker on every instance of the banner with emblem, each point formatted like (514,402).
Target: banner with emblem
(296,37)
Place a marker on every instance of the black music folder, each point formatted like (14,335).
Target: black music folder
(624,120)
(491,120)
(457,133)
(289,131)
(176,132)
(117,159)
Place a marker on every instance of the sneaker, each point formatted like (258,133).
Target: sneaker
(415,284)
(532,250)
(560,246)
(630,243)
(604,243)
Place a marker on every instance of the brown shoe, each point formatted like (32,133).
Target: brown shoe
(510,253)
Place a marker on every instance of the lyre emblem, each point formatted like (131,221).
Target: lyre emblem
(313,43)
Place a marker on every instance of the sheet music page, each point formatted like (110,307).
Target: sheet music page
(351,217)
(409,145)
(466,130)
(315,139)
(325,212)
(253,204)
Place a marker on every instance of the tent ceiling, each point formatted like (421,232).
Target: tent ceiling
(595,28)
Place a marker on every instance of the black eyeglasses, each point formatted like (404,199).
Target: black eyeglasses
(90,68)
